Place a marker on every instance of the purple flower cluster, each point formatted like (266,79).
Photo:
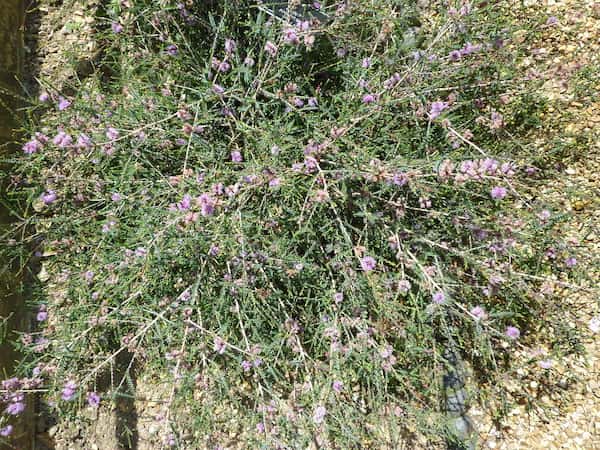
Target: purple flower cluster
(498,192)
(112,133)
(292,35)
(319,414)
(14,400)
(512,333)
(221,66)
(62,139)
(392,81)
(42,314)
(475,170)
(63,103)
(84,142)
(369,98)
(171,50)
(32,146)
(185,203)
(368,263)
(436,109)
(438,298)
(93,399)
(271,49)
(69,390)
(218,89)
(247,365)
(207,204)
(236,156)
(388,358)
(48,197)
(16,404)
(478,313)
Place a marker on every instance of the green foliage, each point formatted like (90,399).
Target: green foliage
(239,304)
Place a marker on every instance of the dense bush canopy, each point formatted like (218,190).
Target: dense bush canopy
(294,220)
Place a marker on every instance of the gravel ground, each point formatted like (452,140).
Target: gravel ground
(561,53)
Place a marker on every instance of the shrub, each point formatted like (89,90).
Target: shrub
(295,221)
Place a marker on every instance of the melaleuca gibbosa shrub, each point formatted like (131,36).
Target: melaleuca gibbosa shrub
(292,221)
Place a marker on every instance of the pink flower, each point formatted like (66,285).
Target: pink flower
(84,141)
(271,48)
(290,36)
(571,262)
(49,197)
(512,333)
(112,133)
(438,298)
(319,414)
(366,63)
(15,408)
(207,204)
(368,98)
(544,215)
(116,27)
(217,89)
(93,399)
(172,50)
(63,103)
(368,263)
(338,297)
(224,66)
(230,45)
(436,109)
(32,146)
(219,345)
(337,386)
(498,192)
(403,286)
(236,156)
(321,196)
(479,313)
(386,352)
(62,139)
(6,431)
